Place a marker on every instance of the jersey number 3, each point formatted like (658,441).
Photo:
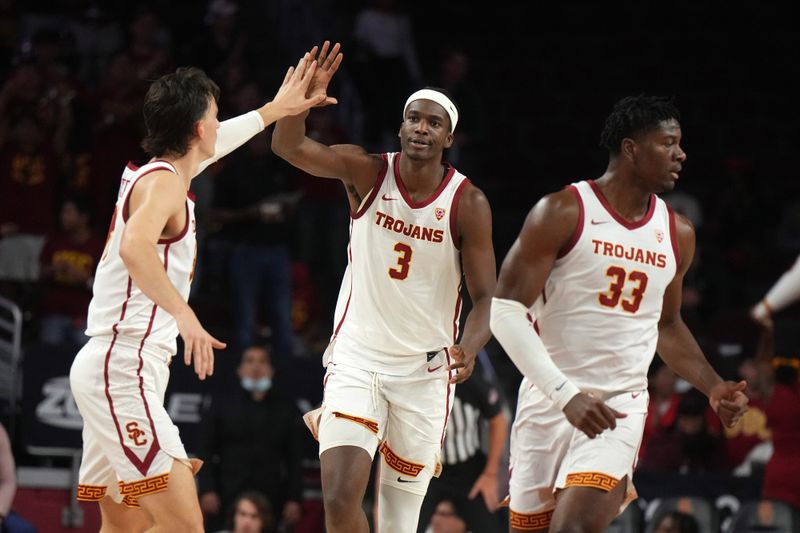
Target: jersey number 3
(613,296)
(403,261)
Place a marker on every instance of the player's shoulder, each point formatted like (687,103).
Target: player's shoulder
(558,205)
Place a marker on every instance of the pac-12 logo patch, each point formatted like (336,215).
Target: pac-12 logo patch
(439,213)
(659,235)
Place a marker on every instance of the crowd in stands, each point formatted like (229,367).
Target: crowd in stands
(72,80)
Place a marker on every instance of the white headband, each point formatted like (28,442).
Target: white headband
(439,98)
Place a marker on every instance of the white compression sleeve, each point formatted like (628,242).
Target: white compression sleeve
(233,133)
(511,327)
(786,290)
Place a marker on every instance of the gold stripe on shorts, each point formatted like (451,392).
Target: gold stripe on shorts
(91,493)
(131,492)
(404,466)
(530,521)
(369,424)
(596,480)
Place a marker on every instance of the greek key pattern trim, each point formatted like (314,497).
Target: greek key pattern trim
(531,521)
(131,492)
(404,466)
(91,493)
(369,424)
(595,480)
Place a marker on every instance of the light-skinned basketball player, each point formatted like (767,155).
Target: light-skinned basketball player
(589,291)
(418,228)
(134,463)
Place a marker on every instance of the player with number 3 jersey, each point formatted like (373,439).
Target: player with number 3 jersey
(418,228)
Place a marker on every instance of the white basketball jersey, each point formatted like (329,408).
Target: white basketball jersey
(119,308)
(598,314)
(400,297)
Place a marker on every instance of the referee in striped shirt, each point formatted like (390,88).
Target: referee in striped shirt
(469,474)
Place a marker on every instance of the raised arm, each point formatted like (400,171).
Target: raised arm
(783,293)
(156,204)
(351,164)
(289,100)
(480,272)
(678,348)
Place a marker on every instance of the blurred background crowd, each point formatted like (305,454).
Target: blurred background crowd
(533,86)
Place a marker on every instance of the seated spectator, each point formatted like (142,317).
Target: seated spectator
(251,513)
(68,262)
(446,520)
(9,521)
(676,522)
(688,445)
(251,439)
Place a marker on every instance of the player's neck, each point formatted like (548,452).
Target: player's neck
(421,177)
(627,198)
(186,165)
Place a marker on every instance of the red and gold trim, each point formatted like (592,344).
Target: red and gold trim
(369,424)
(530,521)
(596,480)
(91,493)
(131,492)
(404,466)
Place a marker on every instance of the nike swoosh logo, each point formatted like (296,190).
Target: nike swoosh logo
(387,198)
(435,369)
(635,394)
(401,480)
(596,222)
(560,386)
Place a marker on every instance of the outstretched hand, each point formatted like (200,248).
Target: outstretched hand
(291,97)
(328,62)
(729,401)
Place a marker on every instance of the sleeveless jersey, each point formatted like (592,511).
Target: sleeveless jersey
(598,314)
(400,296)
(119,308)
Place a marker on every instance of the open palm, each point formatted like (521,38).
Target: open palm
(328,62)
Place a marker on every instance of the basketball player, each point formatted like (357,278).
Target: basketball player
(587,294)
(417,228)
(134,464)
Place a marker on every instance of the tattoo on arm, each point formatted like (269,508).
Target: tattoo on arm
(353,192)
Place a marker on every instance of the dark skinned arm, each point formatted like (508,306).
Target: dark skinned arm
(480,271)
(680,351)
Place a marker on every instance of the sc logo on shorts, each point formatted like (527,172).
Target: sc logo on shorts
(134,433)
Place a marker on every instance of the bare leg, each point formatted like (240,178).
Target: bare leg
(177,508)
(118,518)
(586,509)
(345,474)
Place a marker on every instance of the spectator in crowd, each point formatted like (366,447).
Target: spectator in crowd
(68,261)
(251,440)
(780,368)
(446,520)
(469,475)
(251,513)
(253,200)
(688,445)
(9,521)
(385,51)
(676,522)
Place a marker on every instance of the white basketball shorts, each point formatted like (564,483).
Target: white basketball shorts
(548,453)
(129,441)
(404,417)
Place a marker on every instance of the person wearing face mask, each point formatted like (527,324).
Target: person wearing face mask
(253,440)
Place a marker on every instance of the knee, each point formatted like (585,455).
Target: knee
(339,501)
(185,524)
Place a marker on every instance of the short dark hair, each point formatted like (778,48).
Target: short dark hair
(633,115)
(173,104)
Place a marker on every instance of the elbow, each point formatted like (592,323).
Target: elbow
(127,250)
(281,148)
